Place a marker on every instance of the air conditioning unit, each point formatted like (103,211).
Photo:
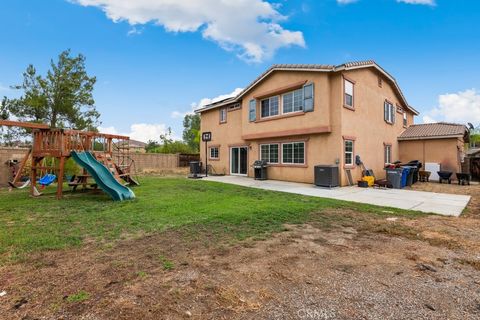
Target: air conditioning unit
(326,176)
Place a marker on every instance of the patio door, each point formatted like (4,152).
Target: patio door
(239,160)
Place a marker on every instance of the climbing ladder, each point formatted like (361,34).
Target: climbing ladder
(107,161)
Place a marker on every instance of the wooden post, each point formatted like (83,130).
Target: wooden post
(61,170)
(21,166)
(33,176)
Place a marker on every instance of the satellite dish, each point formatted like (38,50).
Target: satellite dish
(471,126)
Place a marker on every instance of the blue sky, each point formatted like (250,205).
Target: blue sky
(156,59)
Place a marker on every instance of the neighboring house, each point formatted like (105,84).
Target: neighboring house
(135,146)
(299,116)
(442,143)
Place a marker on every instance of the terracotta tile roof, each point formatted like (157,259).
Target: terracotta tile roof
(319,68)
(358,63)
(133,143)
(433,131)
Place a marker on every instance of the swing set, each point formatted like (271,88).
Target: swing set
(51,147)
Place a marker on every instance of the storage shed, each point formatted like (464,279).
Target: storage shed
(442,143)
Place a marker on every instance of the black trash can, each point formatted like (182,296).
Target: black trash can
(195,168)
(260,170)
(418,165)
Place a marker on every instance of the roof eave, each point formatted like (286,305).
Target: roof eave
(430,137)
(215,105)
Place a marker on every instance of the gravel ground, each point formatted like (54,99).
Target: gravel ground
(374,270)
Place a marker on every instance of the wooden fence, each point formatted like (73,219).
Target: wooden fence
(184,159)
(143,161)
(9,154)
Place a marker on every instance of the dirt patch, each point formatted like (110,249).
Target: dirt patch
(377,269)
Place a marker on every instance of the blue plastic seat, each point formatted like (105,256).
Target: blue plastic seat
(47,179)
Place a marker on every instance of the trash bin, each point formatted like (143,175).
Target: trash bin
(410,175)
(394,177)
(195,168)
(405,174)
(418,165)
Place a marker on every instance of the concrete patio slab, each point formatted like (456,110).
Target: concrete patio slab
(430,202)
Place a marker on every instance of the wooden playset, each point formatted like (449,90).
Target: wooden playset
(57,145)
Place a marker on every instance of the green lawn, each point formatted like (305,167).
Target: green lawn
(29,225)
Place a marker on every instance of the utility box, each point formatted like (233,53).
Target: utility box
(326,176)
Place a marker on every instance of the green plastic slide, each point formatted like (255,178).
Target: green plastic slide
(102,176)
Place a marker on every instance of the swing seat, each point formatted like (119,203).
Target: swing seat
(24,185)
(47,179)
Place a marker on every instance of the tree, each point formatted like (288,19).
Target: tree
(168,145)
(63,98)
(191,131)
(4,109)
(8,135)
(152,146)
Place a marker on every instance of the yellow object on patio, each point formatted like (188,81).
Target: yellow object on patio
(369,179)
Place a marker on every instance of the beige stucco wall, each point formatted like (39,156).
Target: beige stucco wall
(443,151)
(366,124)
(224,135)
(320,117)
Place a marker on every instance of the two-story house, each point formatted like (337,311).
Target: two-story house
(298,116)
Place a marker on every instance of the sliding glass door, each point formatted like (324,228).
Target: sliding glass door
(239,160)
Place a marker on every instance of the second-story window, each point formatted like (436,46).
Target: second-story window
(223,115)
(252,110)
(348,93)
(405,119)
(389,112)
(269,107)
(293,101)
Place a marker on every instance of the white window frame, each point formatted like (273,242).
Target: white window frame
(405,121)
(269,99)
(270,152)
(294,94)
(345,81)
(390,113)
(345,152)
(223,115)
(252,110)
(387,153)
(212,153)
(293,152)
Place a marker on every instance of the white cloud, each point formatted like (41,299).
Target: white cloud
(428,119)
(251,28)
(203,102)
(141,131)
(135,31)
(461,107)
(424,2)
(346,1)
